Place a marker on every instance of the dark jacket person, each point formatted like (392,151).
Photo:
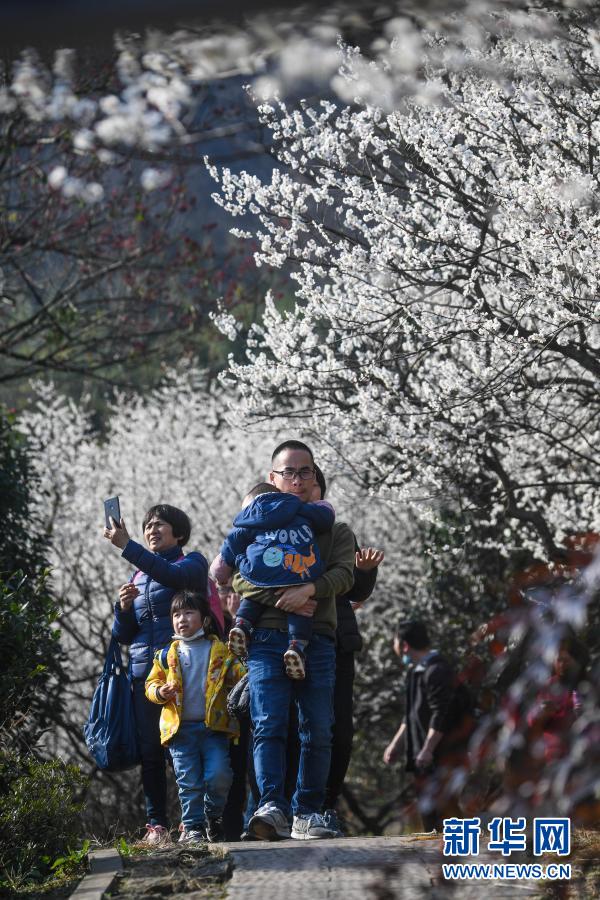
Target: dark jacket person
(437,723)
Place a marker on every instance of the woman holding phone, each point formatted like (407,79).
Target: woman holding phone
(143,622)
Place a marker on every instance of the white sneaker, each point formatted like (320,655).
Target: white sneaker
(312,827)
(193,836)
(269,824)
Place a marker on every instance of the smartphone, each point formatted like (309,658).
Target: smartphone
(112,510)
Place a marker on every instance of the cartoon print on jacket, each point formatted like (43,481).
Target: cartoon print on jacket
(273,540)
(298,563)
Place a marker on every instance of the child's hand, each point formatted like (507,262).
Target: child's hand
(168,691)
(368,558)
(127,593)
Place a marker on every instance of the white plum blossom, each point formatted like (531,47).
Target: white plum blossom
(153,179)
(57,177)
(445,332)
(226,323)
(70,186)
(160,72)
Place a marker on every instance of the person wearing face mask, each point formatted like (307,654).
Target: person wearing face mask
(190,680)
(436,723)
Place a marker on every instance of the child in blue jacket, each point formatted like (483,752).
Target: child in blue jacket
(273,545)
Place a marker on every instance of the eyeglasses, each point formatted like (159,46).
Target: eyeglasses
(288,474)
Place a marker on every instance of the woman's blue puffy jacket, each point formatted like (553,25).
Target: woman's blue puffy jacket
(146,627)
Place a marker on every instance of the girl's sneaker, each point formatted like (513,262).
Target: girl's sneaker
(156,835)
(237,642)
(294,662)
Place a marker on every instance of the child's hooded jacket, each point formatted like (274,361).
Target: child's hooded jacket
(224,670)
(273,540)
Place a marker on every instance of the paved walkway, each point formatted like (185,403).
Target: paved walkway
(381,868)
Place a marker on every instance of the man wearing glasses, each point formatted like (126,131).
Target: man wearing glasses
(271,691)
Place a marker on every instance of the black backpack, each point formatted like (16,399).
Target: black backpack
(238,699)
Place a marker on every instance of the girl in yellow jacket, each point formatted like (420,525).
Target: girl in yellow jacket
(191,679)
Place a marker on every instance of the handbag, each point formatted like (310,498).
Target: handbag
(110,732)
(238,699)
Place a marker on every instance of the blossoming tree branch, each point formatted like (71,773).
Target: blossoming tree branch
(446,319)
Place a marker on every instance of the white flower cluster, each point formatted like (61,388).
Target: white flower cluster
(153,179)
(147,113)
(226,323)
(159,74)
(71,186)
(445,334)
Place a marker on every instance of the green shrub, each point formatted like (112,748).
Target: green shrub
(30,650)
(40,803)
(30,695)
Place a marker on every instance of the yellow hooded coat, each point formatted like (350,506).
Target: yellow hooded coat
(224,671)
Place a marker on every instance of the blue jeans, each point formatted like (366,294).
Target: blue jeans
(201,763)
(271,692)
(299,627)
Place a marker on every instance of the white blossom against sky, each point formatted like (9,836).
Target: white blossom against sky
(281,51)
(444,339)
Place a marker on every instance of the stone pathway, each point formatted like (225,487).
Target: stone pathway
(381,868)
(176,873)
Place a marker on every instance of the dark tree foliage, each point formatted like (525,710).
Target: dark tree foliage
(104,282)
(32,667)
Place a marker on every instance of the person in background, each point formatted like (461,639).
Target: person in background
(433,730)
(230,603)
(142,621)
